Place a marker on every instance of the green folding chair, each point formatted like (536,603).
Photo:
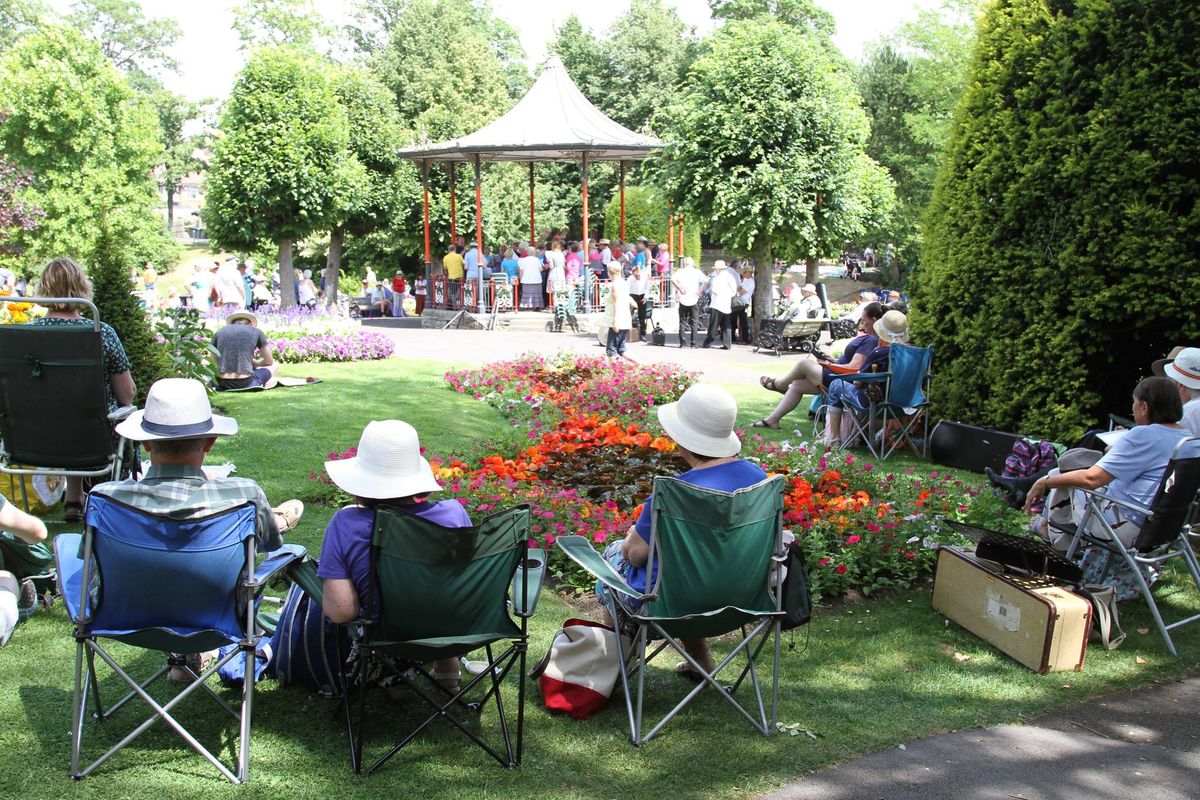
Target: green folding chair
(443,593)
(713,560)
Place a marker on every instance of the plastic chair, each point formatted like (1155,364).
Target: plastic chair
(1163,534)
(53,415)
(713,557)
(443,593)
(203,596)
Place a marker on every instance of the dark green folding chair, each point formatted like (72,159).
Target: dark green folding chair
(443,593)
(716,555)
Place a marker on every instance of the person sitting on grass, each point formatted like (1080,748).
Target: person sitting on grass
(244,357)
(16,594)
(178,427)
(387,470)
(701,424)
(811,375)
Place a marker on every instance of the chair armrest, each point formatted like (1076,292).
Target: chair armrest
(1137,508)
(121,413)
(580,550)
(277,560)
(527,582)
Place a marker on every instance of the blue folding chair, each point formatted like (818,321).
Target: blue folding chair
(905,399)
(203,596)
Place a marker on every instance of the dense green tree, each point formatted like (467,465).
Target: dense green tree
(799,13)
(765,150)
(279,22)
(134,43)
(18,17)
(89,140)
(1062,248)
(911,83)
(282,168)
(646,215)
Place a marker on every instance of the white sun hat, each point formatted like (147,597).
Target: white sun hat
(388,464)
(176,408)
(1185,368)
(702,421)
(892,327)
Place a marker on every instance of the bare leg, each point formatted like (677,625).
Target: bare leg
(446,671)
(698,649)
(833,428)
(806,368)
(791,399)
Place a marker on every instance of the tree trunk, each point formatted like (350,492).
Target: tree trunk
(333,266)
(287,275)
(764,279)
(170,187)
(811,273)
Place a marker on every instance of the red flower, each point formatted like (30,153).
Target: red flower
(853,539)
(822,562)
(840,569)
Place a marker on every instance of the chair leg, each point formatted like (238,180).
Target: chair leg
(247,713)
(77,710)
(504,734)
(524,647)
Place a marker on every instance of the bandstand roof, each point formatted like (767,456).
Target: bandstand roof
(552,122)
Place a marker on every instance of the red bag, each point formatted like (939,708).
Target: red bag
(579,672)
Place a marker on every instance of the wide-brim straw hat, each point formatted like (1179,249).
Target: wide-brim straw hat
(388,464)
(1184,369)
(604,241)
(808,287)
(176,408)
(702,421)
(892,327)
(1159,367)
(246,315)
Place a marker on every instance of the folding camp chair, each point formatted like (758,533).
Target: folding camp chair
(203,596)
(905,399)
(53,415)
(712,559)
(1163,534)
(443,593)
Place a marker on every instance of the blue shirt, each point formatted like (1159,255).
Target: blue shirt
(509,265)
(726,477)
(471,260)
(1137,462)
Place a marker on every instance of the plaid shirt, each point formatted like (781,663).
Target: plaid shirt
(180,491)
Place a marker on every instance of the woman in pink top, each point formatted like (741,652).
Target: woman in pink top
(574,264)
(664,260)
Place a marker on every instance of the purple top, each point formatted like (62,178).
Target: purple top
(346,551)
(865,342)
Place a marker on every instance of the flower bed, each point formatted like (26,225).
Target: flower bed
(353,346)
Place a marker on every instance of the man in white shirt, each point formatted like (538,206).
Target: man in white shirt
(809,305)
(1184,371)
(722,286)
(689,283)
(606,254)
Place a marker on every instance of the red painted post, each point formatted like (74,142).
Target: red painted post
(532,225)
(680,233)
(453,205)
(425,217)
(622,202)
(479,236)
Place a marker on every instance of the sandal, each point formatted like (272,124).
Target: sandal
(762,423)
(684,670)
(450,681)
(72,511)
(291,511)
(768,383)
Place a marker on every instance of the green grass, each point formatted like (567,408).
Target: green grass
(864,676)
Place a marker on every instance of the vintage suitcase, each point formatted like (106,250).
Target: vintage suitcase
(956,444)
(1036,622)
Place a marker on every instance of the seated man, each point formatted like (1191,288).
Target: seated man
(387,470)
(179,429)
(701,425)
(244,355)
(810,376)
(16,594)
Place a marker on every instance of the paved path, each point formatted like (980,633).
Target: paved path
(1138,745)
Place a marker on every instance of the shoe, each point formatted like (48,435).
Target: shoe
(196,663)
(762,423)
(27,601)
(72,511)
(1016,488)
(291,511)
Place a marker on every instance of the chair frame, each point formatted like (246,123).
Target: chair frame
(636,659)
(524,589)
(252,582)
(1141,554)
(878,413)
(112,470)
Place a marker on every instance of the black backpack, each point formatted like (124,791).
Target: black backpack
(797,597)
(658,337)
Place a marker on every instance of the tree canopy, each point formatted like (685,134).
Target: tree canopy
(765,149)
(1063,239)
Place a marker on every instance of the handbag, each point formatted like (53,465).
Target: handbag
(797,596)
(580,670)
(1106,623)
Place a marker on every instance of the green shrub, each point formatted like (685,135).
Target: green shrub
(1062,238)
(646,215)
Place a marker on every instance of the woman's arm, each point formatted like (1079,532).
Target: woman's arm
(340,602)
(1091,478)
(24,526)
(635,549)
(123,388)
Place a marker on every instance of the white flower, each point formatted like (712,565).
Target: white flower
(914,539)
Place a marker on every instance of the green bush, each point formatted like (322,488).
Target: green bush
(646,215)
(1062,238)
(109,268)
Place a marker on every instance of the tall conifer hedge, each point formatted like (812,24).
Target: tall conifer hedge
(1064,230)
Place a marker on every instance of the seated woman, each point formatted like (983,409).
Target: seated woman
(244,357)
(892,327)
(810,375)
(1132,470)
(62,277)
(701,425)
(387,470)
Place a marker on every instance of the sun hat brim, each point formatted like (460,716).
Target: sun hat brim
(131,428)
(235,316)
(696,441)
(1173,372)
(349,476)
(890,336)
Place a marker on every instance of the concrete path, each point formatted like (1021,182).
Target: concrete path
(1138,745)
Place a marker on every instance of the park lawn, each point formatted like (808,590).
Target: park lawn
(865,675)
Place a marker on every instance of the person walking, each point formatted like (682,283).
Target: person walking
(722,286)
(689,283)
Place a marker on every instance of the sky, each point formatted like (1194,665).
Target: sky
(209,57)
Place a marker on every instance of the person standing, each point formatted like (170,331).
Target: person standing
(637,283)
(529,268)
(399,292)
(618,313)
(201,285)
(741,306)
(722,286)
(454,267)
(689,283)
(247,284)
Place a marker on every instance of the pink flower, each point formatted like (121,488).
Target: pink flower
(853,539)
